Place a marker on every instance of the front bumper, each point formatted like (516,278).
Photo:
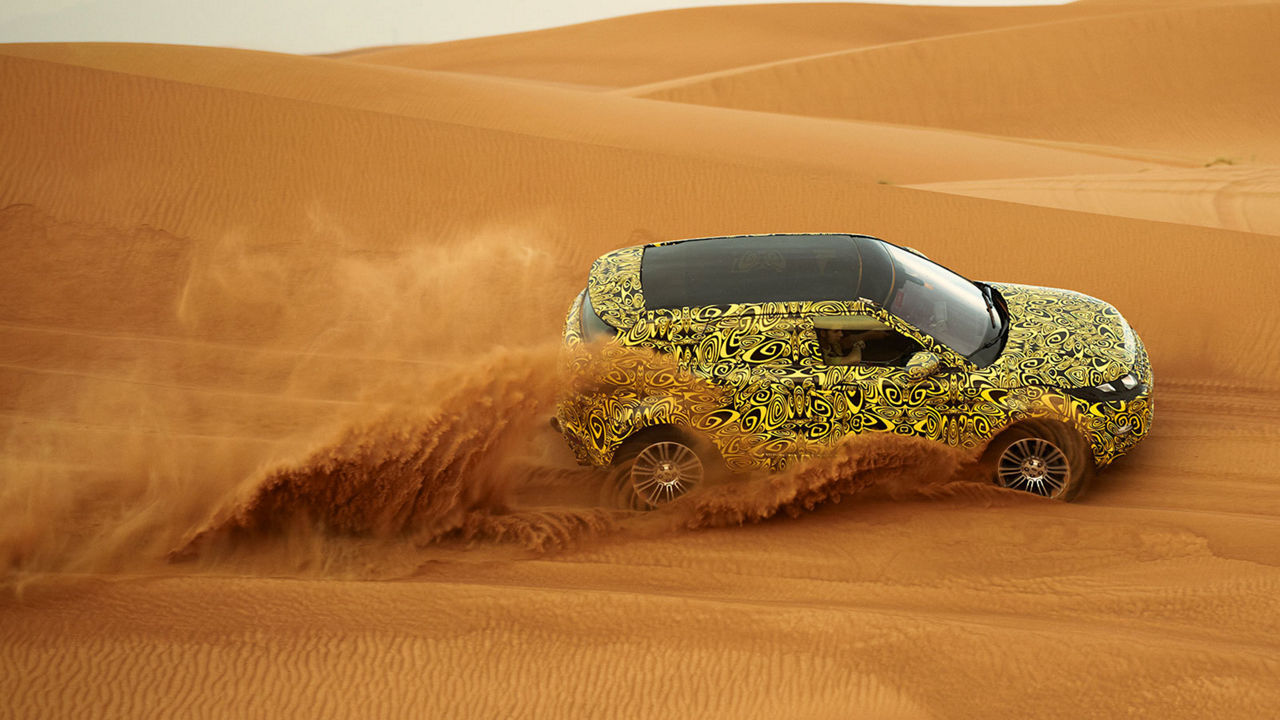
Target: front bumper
(1114,428)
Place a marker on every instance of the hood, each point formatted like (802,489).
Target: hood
(1063,339)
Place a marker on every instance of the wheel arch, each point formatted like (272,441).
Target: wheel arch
(1059,433)
(1034,424)
(664,431)
(660,415)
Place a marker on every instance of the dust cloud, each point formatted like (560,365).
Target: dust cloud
(424,474)
(219,364)
(306,401)
(469,471)
(861,467)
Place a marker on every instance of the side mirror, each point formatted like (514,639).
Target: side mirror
(922,365)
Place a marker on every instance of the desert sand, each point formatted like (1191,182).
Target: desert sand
(318,299)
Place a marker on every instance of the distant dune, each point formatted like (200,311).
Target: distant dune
(245,295)
(1188,79)
(654,47)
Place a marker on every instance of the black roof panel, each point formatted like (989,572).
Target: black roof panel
(764,268)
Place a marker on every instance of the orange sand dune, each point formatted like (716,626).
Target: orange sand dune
(652,47)
(249,195)
(868,152)
(1199,79)
(249,299)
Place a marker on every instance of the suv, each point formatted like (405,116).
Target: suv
(765,349)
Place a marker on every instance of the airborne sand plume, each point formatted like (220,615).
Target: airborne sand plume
(399,330)
(423,473)
(424,450)
(461,468)
(307,306)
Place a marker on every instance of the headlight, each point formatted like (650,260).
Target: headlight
(1125,388)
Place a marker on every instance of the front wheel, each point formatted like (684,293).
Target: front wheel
(1042,458)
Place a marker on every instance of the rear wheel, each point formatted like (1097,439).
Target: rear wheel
(664,471)
(654,468)
(1043,458)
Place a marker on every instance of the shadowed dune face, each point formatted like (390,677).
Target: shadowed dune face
(275,330)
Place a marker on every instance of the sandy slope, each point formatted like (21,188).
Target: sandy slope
(251,286)
(247,198)
(1223,196)
(1192,79)
(874,152)
(659,46)
(1154,597)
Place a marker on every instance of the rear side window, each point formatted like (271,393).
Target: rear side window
(773,268)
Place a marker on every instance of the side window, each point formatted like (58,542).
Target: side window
(860,340)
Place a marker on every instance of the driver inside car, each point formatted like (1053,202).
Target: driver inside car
(841,347)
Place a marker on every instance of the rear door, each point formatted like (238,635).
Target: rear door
(757,355)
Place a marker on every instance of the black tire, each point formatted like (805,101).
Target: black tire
(1041,457)
(656,466)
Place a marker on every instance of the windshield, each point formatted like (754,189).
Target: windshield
(939,302)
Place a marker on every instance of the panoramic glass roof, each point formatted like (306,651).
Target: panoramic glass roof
(765,268)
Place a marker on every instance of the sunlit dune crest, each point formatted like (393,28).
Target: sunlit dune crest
(280,339)
(1194,79)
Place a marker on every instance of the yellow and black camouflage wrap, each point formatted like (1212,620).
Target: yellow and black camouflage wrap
(750,378)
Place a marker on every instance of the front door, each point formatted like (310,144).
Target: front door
(862,383)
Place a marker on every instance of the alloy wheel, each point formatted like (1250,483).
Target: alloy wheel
(1034,465)
(664,471)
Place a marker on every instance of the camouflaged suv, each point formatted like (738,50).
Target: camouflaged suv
(751,352)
